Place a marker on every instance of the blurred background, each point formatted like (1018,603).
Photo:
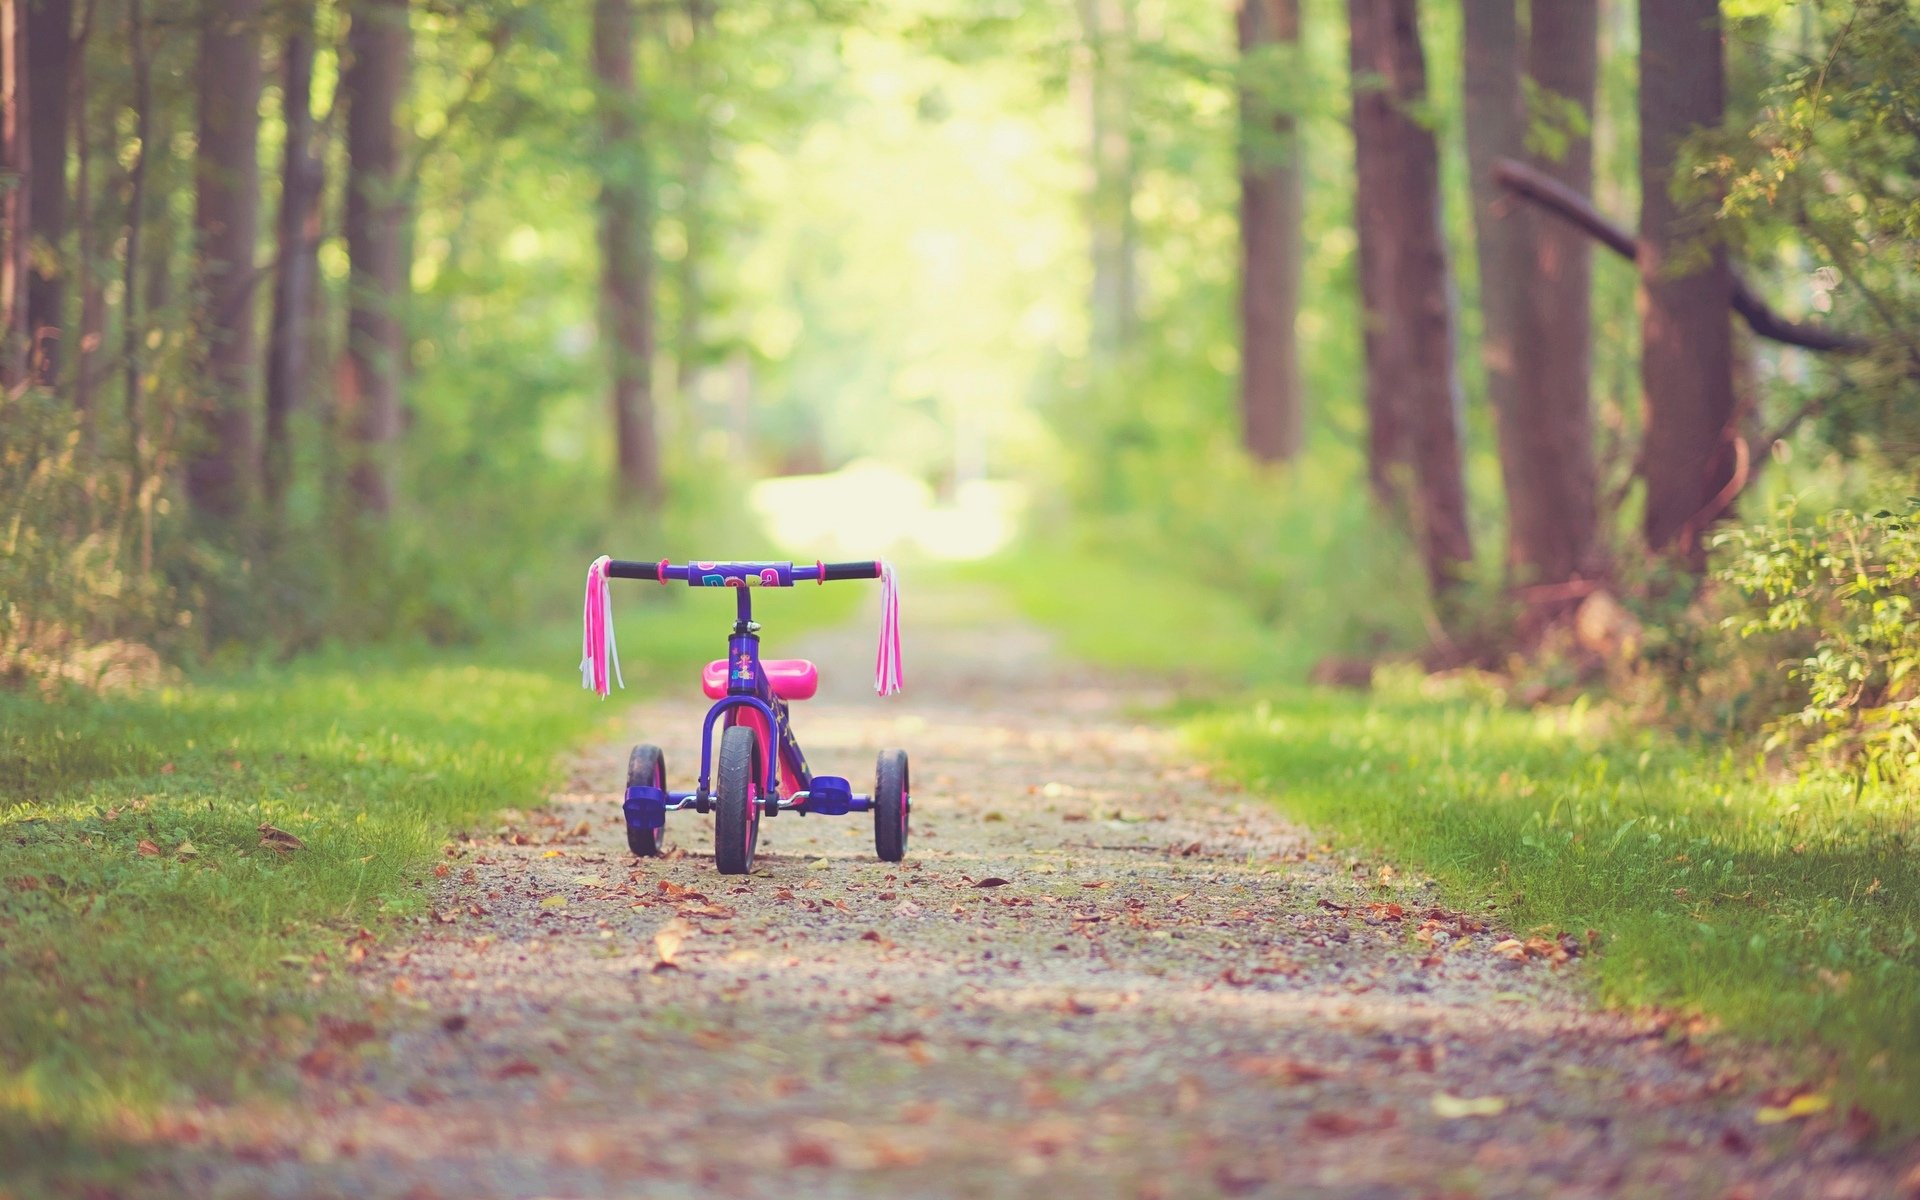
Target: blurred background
(368,320)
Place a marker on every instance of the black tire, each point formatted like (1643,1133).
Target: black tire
(892,805)
(736,820)
(647,767)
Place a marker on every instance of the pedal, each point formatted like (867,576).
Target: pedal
(829,795)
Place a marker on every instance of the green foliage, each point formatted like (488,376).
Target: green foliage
(1788,910)
(1837,591)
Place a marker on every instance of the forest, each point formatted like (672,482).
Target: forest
(1520,393)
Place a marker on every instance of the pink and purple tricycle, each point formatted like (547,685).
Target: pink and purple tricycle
(758,769)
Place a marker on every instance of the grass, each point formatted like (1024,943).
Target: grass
(156,951)
(1785,908)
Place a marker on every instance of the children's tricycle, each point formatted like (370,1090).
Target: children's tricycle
(759,769)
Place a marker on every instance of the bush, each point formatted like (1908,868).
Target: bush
(1834,599)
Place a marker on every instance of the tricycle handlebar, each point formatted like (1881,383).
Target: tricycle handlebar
(742,574)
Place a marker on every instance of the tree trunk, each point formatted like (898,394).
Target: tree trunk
(379,44)
(1107,26)
(1555,511)
(16,205)
(1270,408)
(1686,289)
(626,247)
(1535,289)
(302,178)
(132,332)
(1405,285)
(226,224)
(93,300)
(688,351)
(50,35)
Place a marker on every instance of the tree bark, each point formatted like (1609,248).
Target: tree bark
(626,247)
(1406,289)
(16,190)
(1686,288)
(132,332)
(297,234)
(50,35)
(1535,282)
(1270,402)
(226,224)
(374,84)
(1107,27)
(1555,512)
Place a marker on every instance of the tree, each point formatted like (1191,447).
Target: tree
(373,86)
(1535,283)
(49,30)
(626,248)
(1413,396)
(226,221)
(16,170)
(297,235)
(1686,287)
(1270,406)
(1107,28)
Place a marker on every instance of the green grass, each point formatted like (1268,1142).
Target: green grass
(1109,614)
(1787,908)
(134,979)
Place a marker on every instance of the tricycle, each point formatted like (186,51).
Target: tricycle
(758,769)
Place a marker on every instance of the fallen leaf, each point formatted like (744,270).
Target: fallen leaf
(1449,1107)
(809,1152)
(1805,1105)
(1282,1070)
(706,910)
(279,840)
(147,848)
(991,881)
(667,940)
(819,864)
(186,850)
(514,1068)
(554,901)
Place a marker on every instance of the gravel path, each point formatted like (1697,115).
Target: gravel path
(1097,974)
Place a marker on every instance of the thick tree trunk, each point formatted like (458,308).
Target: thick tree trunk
(1534,288)
(1107,27)
(626,247)
(16,207)
(297,235)
(226,224)
(1686,289)
(374,83)
(1405,286)
(1555,509)
(50,35)
(1270,405)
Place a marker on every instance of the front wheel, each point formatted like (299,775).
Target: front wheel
(647,767)
(736,821)
(892,805)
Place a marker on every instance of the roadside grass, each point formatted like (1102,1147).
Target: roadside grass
(1785,908)
(156,951)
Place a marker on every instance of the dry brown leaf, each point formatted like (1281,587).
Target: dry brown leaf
(667,941)
(1282,1070)
(147,848)
(279,839)
(991,881)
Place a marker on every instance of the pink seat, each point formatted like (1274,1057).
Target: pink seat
(792,678)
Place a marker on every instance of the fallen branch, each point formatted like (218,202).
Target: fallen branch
(1570,206)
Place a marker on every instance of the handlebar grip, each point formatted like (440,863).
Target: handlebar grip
(623,569)
(850,570)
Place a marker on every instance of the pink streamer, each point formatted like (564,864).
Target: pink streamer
(599,656)
(886,665)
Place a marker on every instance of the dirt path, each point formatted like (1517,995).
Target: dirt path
(1173,994)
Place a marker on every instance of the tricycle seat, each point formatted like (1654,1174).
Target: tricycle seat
(792,678)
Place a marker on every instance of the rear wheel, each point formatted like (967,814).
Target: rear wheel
(892,805)
(647,767)
(736,823)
